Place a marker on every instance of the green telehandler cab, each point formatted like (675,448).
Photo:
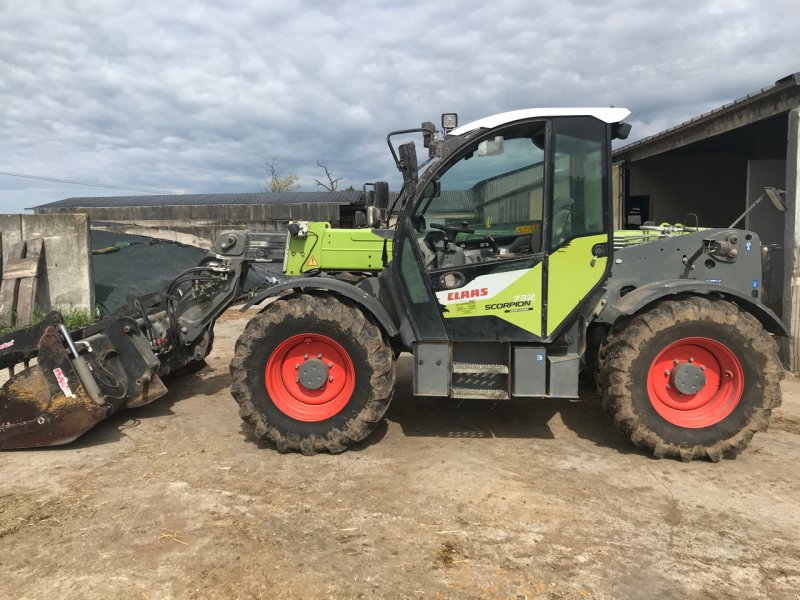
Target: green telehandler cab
(497,271)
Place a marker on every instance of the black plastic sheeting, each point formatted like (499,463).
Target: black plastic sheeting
(142,265)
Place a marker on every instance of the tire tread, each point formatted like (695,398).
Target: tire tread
(361,330)
(625,343)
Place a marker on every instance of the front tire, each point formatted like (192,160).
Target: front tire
(690,378)
(311,374)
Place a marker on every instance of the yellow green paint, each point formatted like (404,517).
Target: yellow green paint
(335,250)
(572,273)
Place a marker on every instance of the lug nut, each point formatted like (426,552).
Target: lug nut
(666,372)
(330,365)
(330,378)
(296,367)
(691,359)
(675,361)
(305,356)
(319,355)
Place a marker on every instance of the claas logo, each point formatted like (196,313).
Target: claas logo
(467,294)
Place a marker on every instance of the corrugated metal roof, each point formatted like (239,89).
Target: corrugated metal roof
(788,81)
(456,201)
(352,197)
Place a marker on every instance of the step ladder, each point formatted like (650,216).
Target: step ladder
(479,381)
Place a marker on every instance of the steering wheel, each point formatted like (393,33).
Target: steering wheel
(451,231)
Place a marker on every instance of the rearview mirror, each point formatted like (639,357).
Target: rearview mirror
(408,161)
(428,133)
(491,147)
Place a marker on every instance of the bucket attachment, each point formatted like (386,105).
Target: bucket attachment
(72,386)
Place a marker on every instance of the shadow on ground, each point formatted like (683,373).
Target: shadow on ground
(114,427)
(416,416)
(519,418)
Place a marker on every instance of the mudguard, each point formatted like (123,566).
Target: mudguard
(340,288)
(636,300)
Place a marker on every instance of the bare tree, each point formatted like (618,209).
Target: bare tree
(277,182)
(333,181)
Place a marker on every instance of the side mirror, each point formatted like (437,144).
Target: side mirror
(408,161)
(381,195)
(428,133)
(621,131)
(373,217)
(774,196)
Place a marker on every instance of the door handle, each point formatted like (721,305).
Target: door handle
(598,251)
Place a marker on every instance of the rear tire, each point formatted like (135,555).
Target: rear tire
(338,408)
(734,369)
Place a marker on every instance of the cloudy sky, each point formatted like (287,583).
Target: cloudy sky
(187,97)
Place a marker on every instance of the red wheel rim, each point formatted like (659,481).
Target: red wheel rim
(284,377)
(716,397)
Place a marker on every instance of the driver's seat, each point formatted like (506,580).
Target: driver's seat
(562,218)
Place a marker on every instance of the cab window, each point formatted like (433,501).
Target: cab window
(578,207)
(487,205)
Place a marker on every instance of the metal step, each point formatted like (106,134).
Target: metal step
(462,367)
(479,394)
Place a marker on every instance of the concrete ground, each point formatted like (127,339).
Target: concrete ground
(447,499)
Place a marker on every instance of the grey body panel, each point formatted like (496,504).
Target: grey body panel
(529,371)
(564,375)
(457,371)
(644,273)
(636,300)
(432,369)
(342,288)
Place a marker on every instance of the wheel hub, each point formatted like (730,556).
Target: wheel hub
(309,377)
(688,378)
(695,382)
(312,374)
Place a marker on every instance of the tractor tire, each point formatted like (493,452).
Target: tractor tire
(690,378)
(311,373)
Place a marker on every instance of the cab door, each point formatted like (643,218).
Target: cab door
(472,247)
(580,237)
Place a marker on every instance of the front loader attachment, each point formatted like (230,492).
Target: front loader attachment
(73,385)
(63,383)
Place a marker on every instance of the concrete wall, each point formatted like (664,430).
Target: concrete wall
(791,252)
(199,225)
(238,213)
(711,185)
(68,280)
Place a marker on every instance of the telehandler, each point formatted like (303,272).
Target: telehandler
(498,272)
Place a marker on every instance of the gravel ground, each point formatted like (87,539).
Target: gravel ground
(447,499)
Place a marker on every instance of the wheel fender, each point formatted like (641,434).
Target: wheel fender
(335,287)
(636,300)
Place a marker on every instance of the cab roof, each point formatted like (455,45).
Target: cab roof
(606,114)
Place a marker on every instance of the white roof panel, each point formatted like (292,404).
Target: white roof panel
(607,114)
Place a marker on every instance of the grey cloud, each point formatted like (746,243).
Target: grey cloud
(193,97)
